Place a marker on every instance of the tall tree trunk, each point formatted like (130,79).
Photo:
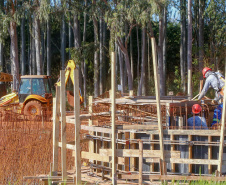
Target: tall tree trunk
(48,47)
(1,44)
(84,70)
(142,84)
(70,32)
(164,49)
(101,56)
(189,56)
(182,45)
(127,62)
(149,64)
(138,56)
(121,69)
(77,43)
(63,42)
(131,55)
(160,53)
(23,57)
(33,52)
(104,55)
(96,59)
(43,50)
(1,57)
(201,37)
(14,55)
(37,46)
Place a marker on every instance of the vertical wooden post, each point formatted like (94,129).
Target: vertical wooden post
(190,154)
(63,124)
(132,146)
(157,91)
(180,122)
(172,149)
(77,127)
(127,135)
(167,114)
(152,148)
(210,154)
(56,129)
(140,162)
(91,142)
(221,147)
(113,141)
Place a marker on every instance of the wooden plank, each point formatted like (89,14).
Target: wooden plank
(210,154)
(135,153)
(137,127)
(172,149)
(96,129)
(152,148)
(56,128)
(127,135)
(91,142)
(77,127)
(221,147)
(157,92)
(140,162)
(174,177)
(94,156)
(188,161)
(188,132)
(63,124)
(189,154)
(113,142)
(132,146)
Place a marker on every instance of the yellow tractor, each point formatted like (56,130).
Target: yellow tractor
(34,95)
(69,73)
(4,79)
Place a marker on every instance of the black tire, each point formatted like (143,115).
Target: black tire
(33,108)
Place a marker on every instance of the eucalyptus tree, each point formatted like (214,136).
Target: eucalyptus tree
(189,50)
(23,40)
(1,39)
(201,37)
(48,42)
(133,13)
(63,35)
(10,19)
(183,43)
(84,66)
(215,17)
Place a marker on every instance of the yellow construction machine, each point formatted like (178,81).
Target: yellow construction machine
(4,79)
(69,73)
(34,94)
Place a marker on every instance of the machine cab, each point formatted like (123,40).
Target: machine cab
(34,85)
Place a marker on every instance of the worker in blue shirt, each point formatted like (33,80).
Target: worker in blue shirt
(217,115)
(214,80)
(200,122)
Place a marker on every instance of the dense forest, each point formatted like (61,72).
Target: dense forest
(39,36)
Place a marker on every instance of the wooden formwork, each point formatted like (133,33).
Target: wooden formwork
(118,151)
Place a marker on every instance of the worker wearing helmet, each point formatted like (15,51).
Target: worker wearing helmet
(214,80)
(200,122)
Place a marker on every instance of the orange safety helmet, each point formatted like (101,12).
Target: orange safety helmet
(205,70)
(196,108)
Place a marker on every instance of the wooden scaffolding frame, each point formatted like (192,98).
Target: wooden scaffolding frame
(111,160)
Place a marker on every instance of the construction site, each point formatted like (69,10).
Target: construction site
(117,140)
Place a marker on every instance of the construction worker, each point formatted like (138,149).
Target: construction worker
(214,80)
(217,115)
(200,122)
